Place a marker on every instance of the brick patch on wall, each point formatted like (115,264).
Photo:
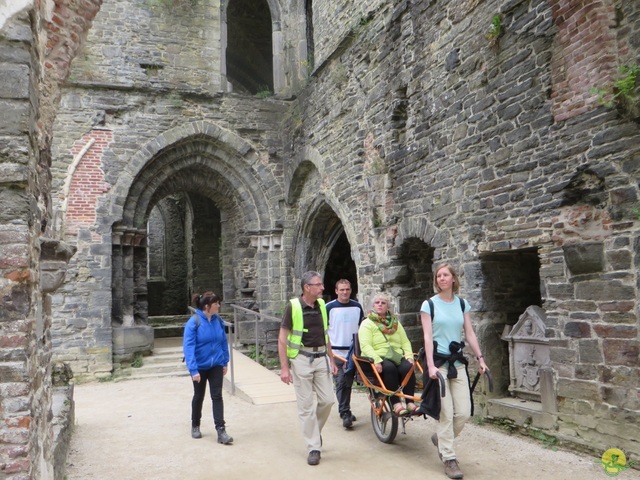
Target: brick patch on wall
(585,54)
(87,181)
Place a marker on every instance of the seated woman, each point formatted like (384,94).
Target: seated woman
(381,336)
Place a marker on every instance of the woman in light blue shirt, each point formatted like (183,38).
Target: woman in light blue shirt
(445,316)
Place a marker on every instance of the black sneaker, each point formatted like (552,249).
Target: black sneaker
(314,457)
(195,432)
(347,422)
(353,417)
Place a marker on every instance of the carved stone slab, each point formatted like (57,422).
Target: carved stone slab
(528,353)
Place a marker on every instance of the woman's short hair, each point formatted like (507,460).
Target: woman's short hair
(200,301)
(456,281)
(381,296)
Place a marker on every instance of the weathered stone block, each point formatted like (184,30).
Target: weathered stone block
(577,329)
(15,117)
(620,376)
(584,258)
(578,389)
(14,81)
(620,259)
(589,351)
(621,352)
(562,355)
(621,397)
(616,331)
(620,318)
(605,291)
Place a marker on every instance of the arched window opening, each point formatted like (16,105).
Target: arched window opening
(310,45)
(249,46)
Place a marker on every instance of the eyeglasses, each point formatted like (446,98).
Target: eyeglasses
(316,284)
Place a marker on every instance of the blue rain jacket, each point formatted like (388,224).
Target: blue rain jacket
(204,344)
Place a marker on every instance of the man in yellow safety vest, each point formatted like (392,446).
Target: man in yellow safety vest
(306,360)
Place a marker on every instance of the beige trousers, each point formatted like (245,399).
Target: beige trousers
(454,412)
(311,376)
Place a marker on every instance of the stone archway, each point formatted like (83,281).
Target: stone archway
(197,158)
(322,244)
(200,167)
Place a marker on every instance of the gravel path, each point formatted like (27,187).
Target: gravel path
(141,430)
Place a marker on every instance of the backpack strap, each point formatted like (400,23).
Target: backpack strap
(432,309)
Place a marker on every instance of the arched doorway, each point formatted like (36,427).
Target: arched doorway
(340,265)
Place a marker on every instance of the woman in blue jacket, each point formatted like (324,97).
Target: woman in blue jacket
(206,354)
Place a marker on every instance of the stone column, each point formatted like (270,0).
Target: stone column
(116,279)
(140,305)
(131,334)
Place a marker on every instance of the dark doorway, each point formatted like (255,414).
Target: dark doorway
(184,252)
(509,282)
(340,265)
(249,46)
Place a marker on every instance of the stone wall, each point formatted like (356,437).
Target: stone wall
(32,63)
(492,147)
(419,136)
(24,393)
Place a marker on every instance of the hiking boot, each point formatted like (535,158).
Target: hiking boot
(346,421)
(452,469)
(195,432)
(314,457)
(223,437)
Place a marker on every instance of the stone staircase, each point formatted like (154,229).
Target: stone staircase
(166,361)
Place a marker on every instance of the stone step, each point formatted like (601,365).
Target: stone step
(135,374)
(166,360)
(155,368)
(165,353)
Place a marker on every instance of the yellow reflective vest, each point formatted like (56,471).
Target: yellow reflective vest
(294,339)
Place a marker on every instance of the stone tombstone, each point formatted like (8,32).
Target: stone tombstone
(528,354)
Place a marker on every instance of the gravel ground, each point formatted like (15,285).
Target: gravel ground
(141,430)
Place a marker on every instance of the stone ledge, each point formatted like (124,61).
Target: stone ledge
(521,412)
(127,341)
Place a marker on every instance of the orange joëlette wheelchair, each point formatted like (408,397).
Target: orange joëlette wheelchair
(384,420)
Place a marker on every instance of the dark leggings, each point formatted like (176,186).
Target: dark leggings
(214,377)
(392,377)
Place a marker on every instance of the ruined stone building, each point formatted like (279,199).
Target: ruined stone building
(156,148)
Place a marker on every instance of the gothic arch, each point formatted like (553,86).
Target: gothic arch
(317,234)
(202,159)
(416,227)
(172,161)
(308,164)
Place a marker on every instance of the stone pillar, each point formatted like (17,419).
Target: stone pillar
(116,279)
(131,334)
(140,305)
(127,286)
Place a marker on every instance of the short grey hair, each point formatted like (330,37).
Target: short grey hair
(381,296)
(307,277)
